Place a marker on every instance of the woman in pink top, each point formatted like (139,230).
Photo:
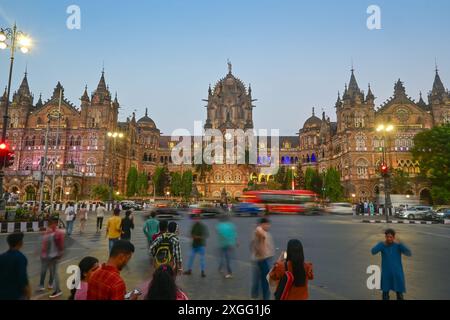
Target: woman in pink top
(163,286)
(87,266)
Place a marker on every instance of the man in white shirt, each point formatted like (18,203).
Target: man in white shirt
(100,211)
(70,218)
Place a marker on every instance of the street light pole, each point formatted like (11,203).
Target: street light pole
(24,42)
(114,136)
(386,175)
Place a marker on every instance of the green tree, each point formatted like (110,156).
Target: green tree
(313,181)
(280,177)
(400,182)
(100,192)
(132,178)
(175,184)
(333,188)
(142,184)
(186,184)
(299,177)
(432,150)
(161,180)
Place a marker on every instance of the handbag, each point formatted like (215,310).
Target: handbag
(285,284)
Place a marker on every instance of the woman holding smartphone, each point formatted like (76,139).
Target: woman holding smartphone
(293,260)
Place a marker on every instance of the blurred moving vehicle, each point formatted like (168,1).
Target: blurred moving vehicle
(130,205)
(342,208)
(416,212)
(443,214)
(283,201)
(166,213)
(246,208)
(205,210)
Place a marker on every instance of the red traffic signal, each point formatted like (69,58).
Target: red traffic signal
(6,155)
(384,169)
(3,146)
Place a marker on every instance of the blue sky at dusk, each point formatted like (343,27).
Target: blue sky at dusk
(163,54)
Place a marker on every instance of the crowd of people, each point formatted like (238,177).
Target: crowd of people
(285,278)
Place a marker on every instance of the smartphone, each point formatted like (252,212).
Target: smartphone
(285,255)
(135,292)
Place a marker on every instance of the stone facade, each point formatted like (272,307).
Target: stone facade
(83,155)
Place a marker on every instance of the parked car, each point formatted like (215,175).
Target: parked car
(342,208)
(205,210)
(130,205)
(416,212)
(245,208)
(443,211)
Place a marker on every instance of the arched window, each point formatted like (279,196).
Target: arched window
(360,142)
(362,168)
(307,159)
(78,142)
(313,158)
(71,141)
(91,164)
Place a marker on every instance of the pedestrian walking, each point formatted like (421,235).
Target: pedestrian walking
(392,275)
(262,248)
(113,228)
(83,214)
(127,226)
(151,227)
(70,218)
(88,266)
(300,272)
(14,284)
(163,286)
(100,213)
(106,283)
(227,237)
(371,208)
(52,250)
(199,234)
(366,207)
(166,248)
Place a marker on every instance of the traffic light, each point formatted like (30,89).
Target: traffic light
(384,169)
(7,156)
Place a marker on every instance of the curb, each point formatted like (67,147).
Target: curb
(401,222)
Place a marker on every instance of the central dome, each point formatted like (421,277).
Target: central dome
(146,121)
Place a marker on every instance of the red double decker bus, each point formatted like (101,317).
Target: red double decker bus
(284,201)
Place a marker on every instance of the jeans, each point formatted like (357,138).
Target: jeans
(225,254)
(99,223)
(201,251)
(111,243)
(52,266)
(260,271)
(386,295)
(69,227)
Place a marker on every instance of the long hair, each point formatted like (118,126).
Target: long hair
(296,256)
(163,286)
(85,265)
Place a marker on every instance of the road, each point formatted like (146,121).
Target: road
(338,246)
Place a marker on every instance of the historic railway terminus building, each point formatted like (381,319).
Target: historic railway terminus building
(83,155)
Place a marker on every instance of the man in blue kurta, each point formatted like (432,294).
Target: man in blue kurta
(392,276)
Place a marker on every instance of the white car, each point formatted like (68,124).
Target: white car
(416,212)
(340,208)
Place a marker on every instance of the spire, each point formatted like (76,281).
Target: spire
(421,102)
(116,100)
(230,67)
(353,84)
(438,86)
(323,116)
(39,104)
(399,89)
(57,90)
(3,98)
(370,96)
(146,112)
(24,89)
(249,88)
(101,87)
(209,90)
(85,96)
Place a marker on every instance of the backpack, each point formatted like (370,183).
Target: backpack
(285,285)
(164,252)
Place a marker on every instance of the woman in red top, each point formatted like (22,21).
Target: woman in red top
(301,271)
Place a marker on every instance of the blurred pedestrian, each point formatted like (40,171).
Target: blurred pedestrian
(127,226)
(113,228)
(106,283)
(262,252)
(151,227)
(292,261)
(166,249)
(366,207)
(371,208)
(87,265)
(52,250)
(14,284)
(100,212)
(199,234)
(70,218)
(227,237)
(83,214)
(392,276)
(163,286)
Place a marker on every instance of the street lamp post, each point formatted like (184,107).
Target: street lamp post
(293,181)
(385,129)
(11,38)
(114,136)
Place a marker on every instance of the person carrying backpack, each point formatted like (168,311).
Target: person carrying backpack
(166,250)
(291,273)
